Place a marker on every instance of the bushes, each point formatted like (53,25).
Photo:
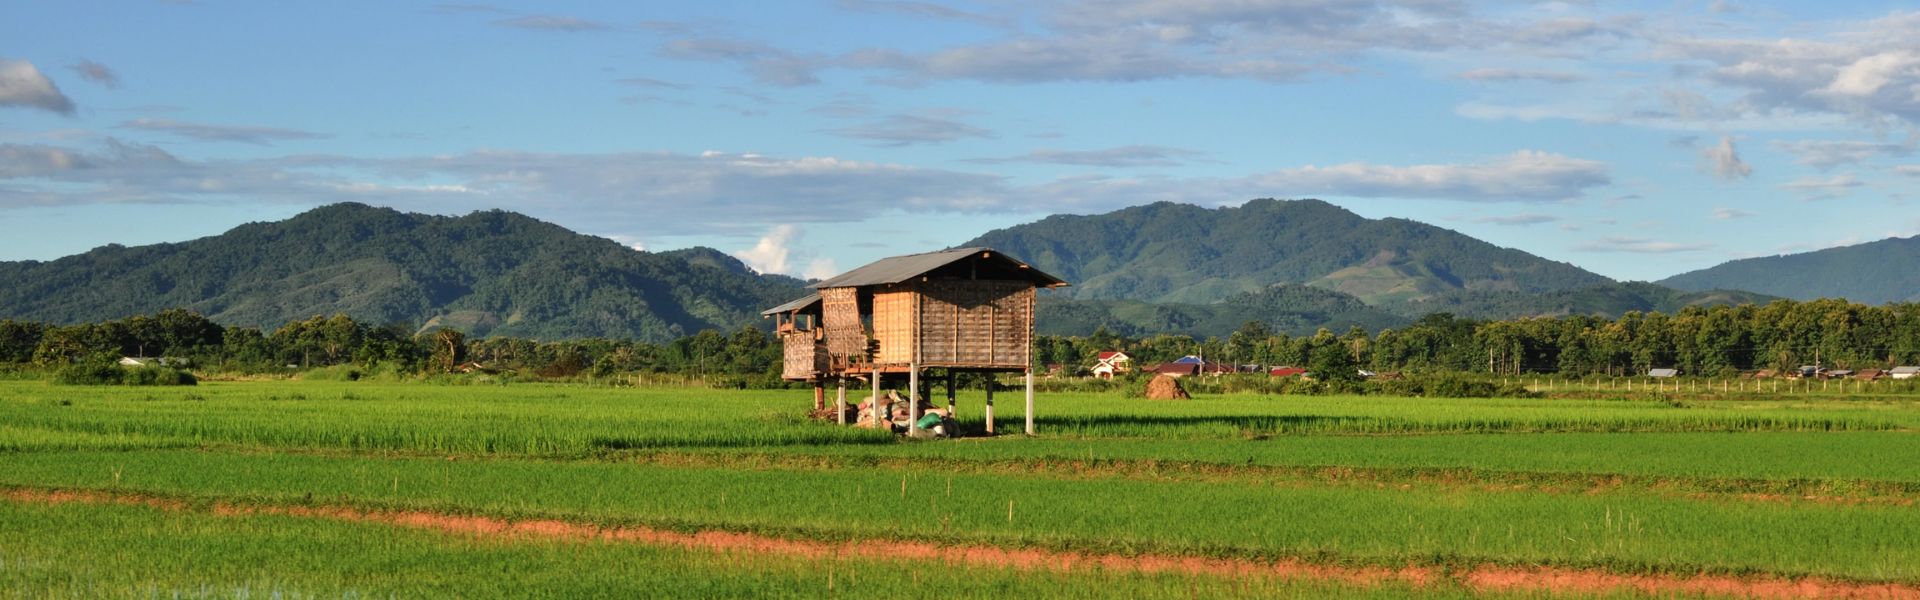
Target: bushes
(158,376)
(102,373)
(1430,386)
(89,373)
(1450,385)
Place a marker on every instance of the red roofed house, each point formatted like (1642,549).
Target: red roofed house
(1109,364)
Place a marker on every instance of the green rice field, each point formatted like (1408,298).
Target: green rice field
(251,489)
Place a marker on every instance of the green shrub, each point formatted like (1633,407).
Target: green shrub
(347,372)
(89,373)
(158,376)
(106,373)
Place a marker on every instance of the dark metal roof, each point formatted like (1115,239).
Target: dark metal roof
(902,268)
(797,304)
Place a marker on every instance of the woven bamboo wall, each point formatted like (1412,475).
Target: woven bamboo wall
(893,326)
(975,323)
(804,356)
(846,339)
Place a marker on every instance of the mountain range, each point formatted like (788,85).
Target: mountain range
(1872,273)
(488,273)
(1166,252)
(1296,265)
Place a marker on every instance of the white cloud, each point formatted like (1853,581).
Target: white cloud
(22,85)
(1640,246)
(1820,188)
(1825,154)
(1518,220)
(641,193)
(246,134)
(1123,156)
(769,255)
(1527,175)
(655,194)
(649,82)
(1909,170)
(820,268)
(1724,160)
(768,65)
(906,130)
(1140,40)
(553,23)
(1497,74)
(19,160)
(628,241)
(924,10)
(96,72)
(1864,70)
(1866,76)
(1728,214)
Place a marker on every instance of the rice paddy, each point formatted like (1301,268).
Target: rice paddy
(1744,495)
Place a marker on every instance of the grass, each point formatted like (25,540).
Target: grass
(1653,485)
(1880,456)
(551,419)
(1620,530)
(81,551)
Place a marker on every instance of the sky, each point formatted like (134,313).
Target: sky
(1634,139)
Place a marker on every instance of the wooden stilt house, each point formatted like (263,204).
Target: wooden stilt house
(962,310)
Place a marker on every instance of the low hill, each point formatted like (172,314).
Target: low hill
(488,273)
(1872,273)
(1180,253)
(1293,309)
(1609,300)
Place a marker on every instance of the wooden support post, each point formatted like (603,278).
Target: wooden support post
(819,395)
(875,407)
(840,401)
(1029,400)
(913,397)
(950,393)
(991,381)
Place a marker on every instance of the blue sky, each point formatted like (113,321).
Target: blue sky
(1638,140)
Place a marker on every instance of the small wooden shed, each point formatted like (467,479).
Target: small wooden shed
(961,310)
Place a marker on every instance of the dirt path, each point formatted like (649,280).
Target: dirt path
(1483,578)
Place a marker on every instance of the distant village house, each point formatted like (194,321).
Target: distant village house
(1192,365)
(144,361)
(1286,371)
(1109,364)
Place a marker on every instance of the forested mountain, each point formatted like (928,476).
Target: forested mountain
(1168,252)
(1288,308)
(1296,266)
(488,273)
(1608,300)
(1872,273)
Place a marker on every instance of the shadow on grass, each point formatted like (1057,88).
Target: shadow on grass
(745,440)
(1246,425)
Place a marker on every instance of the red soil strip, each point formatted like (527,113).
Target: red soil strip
(1488,578)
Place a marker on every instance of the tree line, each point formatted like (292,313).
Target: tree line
(1709,341)
(325,341)
(1713,341)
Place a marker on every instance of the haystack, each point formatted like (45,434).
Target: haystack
(1163,387)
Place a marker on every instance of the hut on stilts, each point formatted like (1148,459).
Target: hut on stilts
(968,310)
